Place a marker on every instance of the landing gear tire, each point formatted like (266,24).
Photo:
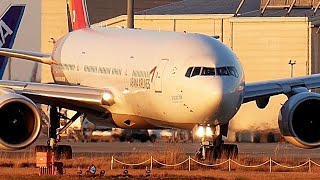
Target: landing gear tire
(42,148)
(230,151)
(60,152)
(143,140)
(63,152)
(153,138)
(214,152)
(122,138)
(227,151)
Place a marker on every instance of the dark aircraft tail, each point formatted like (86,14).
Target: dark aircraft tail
(9,25)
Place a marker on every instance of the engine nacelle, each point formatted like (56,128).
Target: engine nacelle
(299,120)
(20,122)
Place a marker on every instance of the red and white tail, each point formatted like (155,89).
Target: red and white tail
(77,14)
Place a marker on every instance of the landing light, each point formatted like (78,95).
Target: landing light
(106,96)
(209,132)
(204,131)
(200,132)
(107,99)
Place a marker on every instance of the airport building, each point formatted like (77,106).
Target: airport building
(264,34)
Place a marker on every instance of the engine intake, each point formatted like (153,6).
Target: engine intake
(20,122)
(299,120)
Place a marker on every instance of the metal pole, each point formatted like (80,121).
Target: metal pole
(239,7)
(151,163)
(130,14)
(229,163)
(309,165)
(291,6)
(189,163)
(292,63)
(270,165)
(111,164)
(315,9)
(264,8)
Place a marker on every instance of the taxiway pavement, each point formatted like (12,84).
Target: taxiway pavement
(273,150)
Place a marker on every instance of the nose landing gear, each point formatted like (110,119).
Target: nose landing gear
(212,146)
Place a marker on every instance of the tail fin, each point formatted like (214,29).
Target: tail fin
(77,14)
(9,25)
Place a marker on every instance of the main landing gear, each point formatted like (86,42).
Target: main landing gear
(54,131)
(212,146)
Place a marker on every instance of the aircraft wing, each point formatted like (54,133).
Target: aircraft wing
(83,99)
(78,98)
(27,55)
(265,89)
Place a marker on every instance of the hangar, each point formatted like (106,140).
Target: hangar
(265,35)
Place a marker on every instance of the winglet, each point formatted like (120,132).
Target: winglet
(77,14)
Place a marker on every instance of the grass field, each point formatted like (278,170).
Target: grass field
(71,173)
(22,166)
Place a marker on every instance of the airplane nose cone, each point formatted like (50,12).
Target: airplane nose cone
(211,98)
(232,93)
(215,100)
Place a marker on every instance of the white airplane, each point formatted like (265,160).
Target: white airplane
(141,79)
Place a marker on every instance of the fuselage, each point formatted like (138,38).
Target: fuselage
(158,79)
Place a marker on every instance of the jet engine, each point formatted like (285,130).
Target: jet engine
(19,121)
(299,120)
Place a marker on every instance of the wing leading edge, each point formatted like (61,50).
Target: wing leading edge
(265,89)
(27,55)
(71,97)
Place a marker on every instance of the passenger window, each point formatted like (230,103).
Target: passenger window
(208,71)
(222,71)
(188,73)
(196,71)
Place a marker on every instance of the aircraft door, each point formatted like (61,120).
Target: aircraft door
(159,80)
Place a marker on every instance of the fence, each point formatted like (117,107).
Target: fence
(229,161)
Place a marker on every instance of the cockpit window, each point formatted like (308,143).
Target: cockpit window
(233,71)
(210,71)
(188,73)
(196,71)
(222,71)
(206,71)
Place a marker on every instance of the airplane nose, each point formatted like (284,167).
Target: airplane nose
(212,97)
(232,94)
(215,100)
